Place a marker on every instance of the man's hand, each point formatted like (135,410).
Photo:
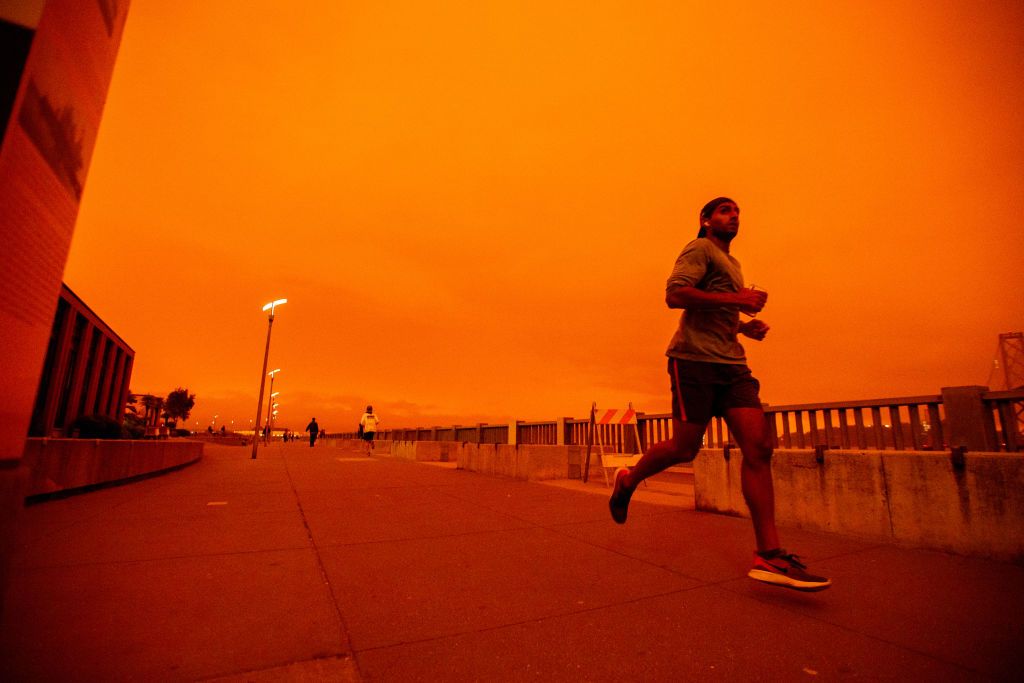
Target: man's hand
(751,301)
(755,329)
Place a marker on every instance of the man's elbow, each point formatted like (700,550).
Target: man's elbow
(674,298)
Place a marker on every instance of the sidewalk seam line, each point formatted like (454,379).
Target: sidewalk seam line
(323,573)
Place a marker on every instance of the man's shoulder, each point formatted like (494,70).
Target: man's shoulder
(701,246)
(711,250)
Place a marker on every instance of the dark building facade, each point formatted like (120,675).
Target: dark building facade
(86,371)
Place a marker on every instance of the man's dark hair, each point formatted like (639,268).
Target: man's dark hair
(706,212)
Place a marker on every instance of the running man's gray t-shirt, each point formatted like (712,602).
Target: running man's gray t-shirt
(707,334)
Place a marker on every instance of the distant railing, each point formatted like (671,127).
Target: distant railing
(903,424)
(1008,409)
(914,423)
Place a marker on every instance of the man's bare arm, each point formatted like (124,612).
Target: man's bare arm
(747,300)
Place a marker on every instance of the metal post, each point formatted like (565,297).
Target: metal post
(263,380)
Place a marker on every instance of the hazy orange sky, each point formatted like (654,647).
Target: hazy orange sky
(473,207)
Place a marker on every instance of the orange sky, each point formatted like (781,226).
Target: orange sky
(473,207)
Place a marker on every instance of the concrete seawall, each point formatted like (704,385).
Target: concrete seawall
(523,461)
(56,465)
(971,507)
(927,500)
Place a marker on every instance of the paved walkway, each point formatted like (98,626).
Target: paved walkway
(317,565)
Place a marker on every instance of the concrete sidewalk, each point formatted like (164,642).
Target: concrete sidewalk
(311,564)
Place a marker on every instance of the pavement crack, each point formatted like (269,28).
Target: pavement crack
(527,622)
(347,644)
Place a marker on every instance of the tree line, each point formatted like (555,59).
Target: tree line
(142,412)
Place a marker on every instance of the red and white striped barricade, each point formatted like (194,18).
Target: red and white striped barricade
(610,425)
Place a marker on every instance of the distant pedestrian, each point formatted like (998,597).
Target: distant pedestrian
(709,376)
(313,428)
(368,427)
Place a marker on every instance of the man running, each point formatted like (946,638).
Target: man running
(709,377)
(368,427)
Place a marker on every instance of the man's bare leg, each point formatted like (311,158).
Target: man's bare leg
(684,445)
(686,441)
(749,428)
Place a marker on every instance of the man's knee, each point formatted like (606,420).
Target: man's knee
(759,454)
(687,446)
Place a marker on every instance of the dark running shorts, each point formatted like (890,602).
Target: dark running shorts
(701,390)
(368,436)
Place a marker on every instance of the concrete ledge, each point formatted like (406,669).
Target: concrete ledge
(422,451)
(56,465)
(919,499)
(523,461)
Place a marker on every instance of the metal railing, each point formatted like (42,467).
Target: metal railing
(913,423)
(904,424)
(1007,407)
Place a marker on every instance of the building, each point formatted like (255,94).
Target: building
(86,371)
(56,60)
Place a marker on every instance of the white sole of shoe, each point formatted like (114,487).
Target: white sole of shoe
(786,582)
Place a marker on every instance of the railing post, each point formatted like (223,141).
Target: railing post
(641,428)
(969,422)
(560,426)
(480,432)
(513,432)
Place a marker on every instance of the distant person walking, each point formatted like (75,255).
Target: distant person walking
(313,428)
(368,427)
(709,377)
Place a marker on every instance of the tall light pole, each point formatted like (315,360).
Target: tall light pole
(263,373)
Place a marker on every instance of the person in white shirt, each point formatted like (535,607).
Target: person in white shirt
(368,426)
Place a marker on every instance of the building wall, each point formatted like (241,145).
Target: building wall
(53,98)
(86,371)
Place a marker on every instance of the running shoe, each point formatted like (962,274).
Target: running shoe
(785,569)
(619,502)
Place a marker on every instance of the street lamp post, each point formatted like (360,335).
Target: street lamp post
(263,373)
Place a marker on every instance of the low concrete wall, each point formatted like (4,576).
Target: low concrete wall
(520,462)
(421,451)
(523,461)
(918,499)
(65,464)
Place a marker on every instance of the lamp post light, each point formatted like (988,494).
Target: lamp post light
(272,394)
(263,373)
(270,407)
